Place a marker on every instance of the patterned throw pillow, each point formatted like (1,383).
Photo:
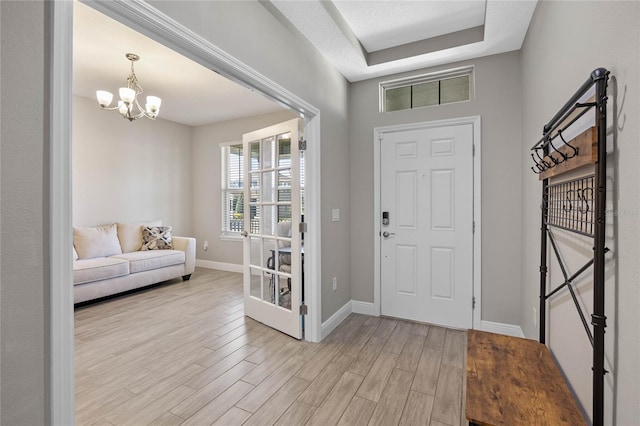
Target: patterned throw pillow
(156,238)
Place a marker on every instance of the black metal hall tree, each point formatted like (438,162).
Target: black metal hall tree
(577,206)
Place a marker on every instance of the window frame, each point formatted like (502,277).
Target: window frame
(426,78)
(225,232)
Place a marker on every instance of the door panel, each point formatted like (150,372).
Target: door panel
(427,247)
(272,285)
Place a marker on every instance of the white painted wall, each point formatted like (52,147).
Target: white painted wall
(206,183)
(130,171)
(565,42)
(497,100)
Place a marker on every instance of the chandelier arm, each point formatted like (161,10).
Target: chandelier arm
(143,111)
(138,105)
(109,108)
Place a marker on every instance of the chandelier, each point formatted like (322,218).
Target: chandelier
(128,105)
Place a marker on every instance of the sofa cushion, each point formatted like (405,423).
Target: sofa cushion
(75,254)
(140,261)
(97,269)
(156,238)
(99,241)
(130,234)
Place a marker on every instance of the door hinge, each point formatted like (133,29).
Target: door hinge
(474,227)
(473,303)
(303,309)
(302,144)
(474,150)
(302,227)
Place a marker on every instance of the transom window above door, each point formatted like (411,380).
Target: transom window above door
(427,90)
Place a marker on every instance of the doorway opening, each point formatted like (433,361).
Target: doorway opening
(145,19)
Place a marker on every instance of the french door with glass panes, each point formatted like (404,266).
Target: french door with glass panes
(272,243)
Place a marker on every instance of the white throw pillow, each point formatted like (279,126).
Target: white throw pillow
(130,234)
(99,241)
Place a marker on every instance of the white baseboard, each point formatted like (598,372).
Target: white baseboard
(221,266)
(364,308)
(500,328)
(329,325)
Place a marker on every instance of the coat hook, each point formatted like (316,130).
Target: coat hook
(543,161)
(562,154)
(575,150)
(540,167)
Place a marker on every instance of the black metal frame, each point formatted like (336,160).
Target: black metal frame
(577,206)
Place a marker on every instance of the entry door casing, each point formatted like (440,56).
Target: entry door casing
(427,247)
(272,294)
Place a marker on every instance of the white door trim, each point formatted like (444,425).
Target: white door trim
(378,132)
(61,342)
(144,18)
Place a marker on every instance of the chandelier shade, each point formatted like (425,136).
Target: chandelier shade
(128,105)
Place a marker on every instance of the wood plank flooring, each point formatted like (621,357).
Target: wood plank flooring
(184,354)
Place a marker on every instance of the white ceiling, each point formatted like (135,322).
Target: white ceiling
(384,24)
(367,39)
(362,38)
(191,94)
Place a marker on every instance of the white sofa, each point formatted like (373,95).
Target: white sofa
(114,258)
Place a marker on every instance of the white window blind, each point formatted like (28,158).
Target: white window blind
(232,190)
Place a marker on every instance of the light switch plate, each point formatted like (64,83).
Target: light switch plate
(335,215)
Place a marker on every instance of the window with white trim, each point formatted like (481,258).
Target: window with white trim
(232,191)
(427,90)
(232,188)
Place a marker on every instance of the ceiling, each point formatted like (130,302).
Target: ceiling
(368,38)
(362,38)
(191,94)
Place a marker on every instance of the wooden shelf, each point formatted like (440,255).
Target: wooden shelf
(513,381)
(587,145)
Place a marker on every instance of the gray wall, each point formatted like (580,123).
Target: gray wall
(247,31)
(206,183)
(554,38)
(565,42)
(24,246)
(130,171)
(497,101)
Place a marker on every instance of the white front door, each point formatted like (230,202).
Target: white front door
(272,246)
(426,246)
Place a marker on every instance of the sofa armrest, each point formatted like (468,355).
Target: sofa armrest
(188,246)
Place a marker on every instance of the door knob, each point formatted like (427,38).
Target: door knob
(387,234)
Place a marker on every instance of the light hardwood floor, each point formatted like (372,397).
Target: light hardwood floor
(184,353)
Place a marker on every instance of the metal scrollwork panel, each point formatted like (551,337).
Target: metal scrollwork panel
(571,205)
